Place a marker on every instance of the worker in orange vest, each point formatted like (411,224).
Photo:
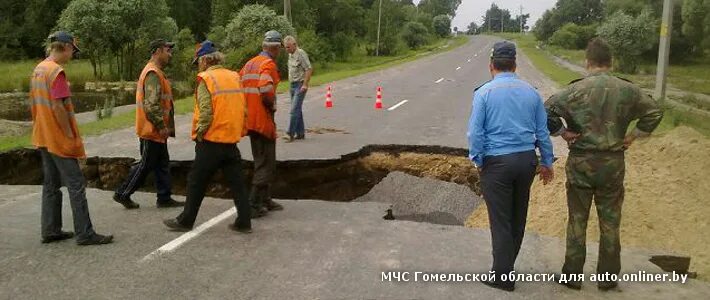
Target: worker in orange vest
(155,122)
(56,134)
(219,122)
(260,78)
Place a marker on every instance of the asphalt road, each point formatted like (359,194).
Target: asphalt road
(312,249)
(438,90)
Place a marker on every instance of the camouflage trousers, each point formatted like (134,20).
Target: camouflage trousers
(598,176)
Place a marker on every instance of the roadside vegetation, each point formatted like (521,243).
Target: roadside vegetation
(631,28)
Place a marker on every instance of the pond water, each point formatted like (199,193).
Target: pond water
(14,106)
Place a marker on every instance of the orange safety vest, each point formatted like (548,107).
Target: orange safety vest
(228,107)
(144,128)
(255,75)
(46,129)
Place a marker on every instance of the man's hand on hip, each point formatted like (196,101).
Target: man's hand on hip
(546,175)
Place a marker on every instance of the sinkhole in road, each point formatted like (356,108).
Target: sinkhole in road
(343,179)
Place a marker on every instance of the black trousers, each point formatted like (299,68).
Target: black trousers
(506,181)
(154,158)
(210,157)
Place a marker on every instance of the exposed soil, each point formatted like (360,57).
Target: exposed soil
(342,179)
(666,205)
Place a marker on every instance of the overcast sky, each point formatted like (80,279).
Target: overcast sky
(473,10)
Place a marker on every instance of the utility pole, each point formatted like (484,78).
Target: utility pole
(664,50)
(287,10)
(521,18)
(489,22)
(501,20)
(379,22)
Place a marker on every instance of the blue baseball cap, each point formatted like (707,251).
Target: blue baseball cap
(64,37)
(503,50)
(207,47)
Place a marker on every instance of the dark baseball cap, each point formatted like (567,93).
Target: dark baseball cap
(503,50)
(207,47)
(64,37)
(160,43)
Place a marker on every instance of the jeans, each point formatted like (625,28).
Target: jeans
(296,128)
(60,171)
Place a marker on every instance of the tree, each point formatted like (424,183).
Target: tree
(39,18)
(580,12)
(629,38)
(117,32)
(696,23)
(440,7)
(247,28)
(245,32)
(634,7)
(573,36)
(193,14)
(472,28)
(87,20)
(415,34)
(442,25)
(499,20)
(181,64)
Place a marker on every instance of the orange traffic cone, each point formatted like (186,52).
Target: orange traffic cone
(328,98)
(378,102)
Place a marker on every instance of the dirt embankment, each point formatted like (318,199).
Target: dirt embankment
(666,207)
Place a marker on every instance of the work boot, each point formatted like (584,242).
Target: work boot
(170,203)
(607,285)
(301,137)
(174,225)
(127,202)
(62,235)
(258,212)
(504,286)
(237,228)
(570,284)
(96,239)
(272,205)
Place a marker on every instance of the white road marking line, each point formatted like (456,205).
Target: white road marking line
(398,105)
(459,68)
(476,55)
(176,243)
(469,60)
(440,80)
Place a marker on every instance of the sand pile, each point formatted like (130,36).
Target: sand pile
(666,207)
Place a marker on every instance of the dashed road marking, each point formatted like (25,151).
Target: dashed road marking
(187,236)
(440,80)
(398,105)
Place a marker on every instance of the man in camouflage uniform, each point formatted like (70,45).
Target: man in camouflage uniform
(598,110)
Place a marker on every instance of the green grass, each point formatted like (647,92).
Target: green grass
(335,71)
(673,117)
(692,75)
(576,57)
(541,59)
(17,74)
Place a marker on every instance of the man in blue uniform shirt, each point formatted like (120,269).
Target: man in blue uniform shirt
(508,122)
